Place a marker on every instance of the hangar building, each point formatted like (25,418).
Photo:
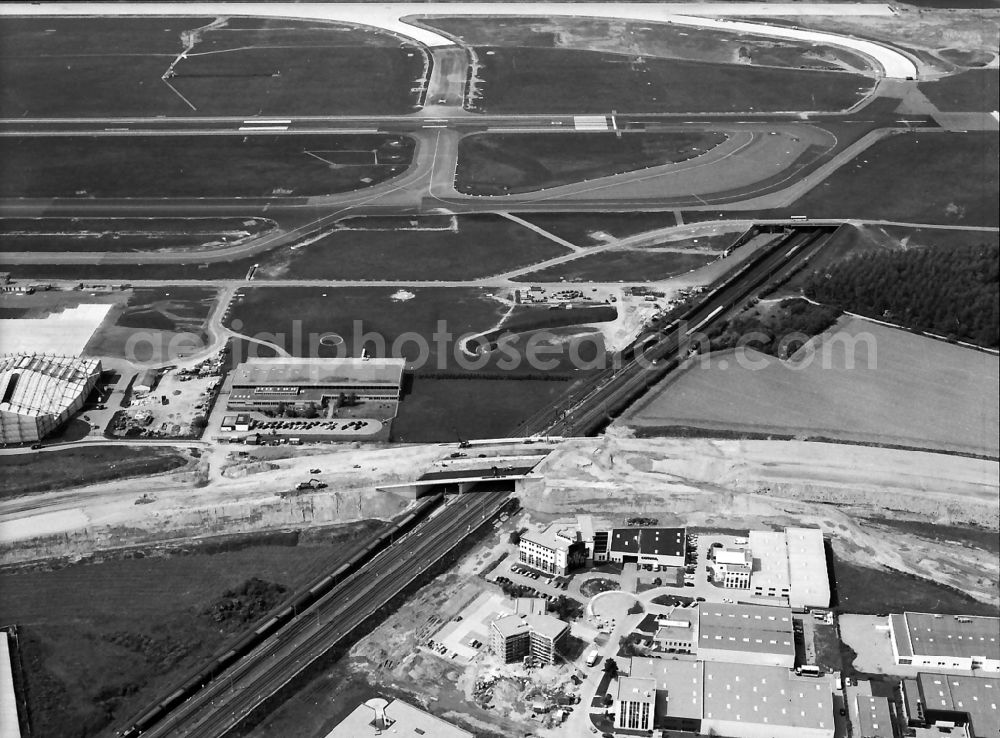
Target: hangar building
(38,394)
(266,384)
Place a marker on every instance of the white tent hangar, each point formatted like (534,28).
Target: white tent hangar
(40,393)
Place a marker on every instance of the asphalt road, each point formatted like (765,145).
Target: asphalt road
(233,696)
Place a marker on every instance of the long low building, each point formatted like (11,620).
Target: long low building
(650,547)
(790,565)
(746,634)
(960,642)
(269,384)
(953,699)
(717,698)
(38,394)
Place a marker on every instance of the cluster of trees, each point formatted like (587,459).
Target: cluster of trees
(954,291)
(246,603)
(779,330)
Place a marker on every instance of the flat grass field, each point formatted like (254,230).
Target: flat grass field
(154,312)
(951,179)
(974,90)
(490,163)
(866,591)
(80,683)
(622,266)
(644,38)
(473,246)
(197,166)
(906,390)
(527,80)
(31,473)
(582,229)
(124,234)
(50,67)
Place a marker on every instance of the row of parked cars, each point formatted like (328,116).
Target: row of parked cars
(553,581)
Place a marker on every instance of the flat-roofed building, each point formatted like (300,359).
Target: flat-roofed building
(636,703)
(732,567)
(874,717)
(969,701)
(647,546)
(377,717)
(746,634)
(267,384)
(790,565)
(9,725)
(557,550)
(513,637)
(679,689)
(753,701)
(38,394)
(678,631)
(960,642)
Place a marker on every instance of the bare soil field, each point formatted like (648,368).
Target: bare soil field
(53,470)
(231,67)
(626,265)
(489,163)
(101,640)
(860,381)
(125,234)
(646,39)
(529,80)
(196,166)
(474,246)
(711,484)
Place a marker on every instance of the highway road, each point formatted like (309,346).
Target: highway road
(233,696)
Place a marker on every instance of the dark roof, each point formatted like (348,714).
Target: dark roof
(649,541)
(485,471)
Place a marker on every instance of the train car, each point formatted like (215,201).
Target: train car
(266,627)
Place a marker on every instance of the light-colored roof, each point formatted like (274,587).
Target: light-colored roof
(635,689)
(807,571)
(952,635)
(295,372)
(8,699)
(733,556)
(977,696)
(407,722)
(746,628)
(546,626)
(770,553)
(766,695)
(36,385)
(557,536)
(874,718)
(679,685)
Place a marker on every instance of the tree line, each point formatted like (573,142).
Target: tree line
(954,292)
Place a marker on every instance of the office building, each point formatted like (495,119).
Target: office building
(636,703)
(513,637)
(556,550)
(272,384)
(732,567)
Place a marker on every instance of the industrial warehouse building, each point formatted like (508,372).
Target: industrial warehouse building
(874,717)
(38,394)
(790,565)
(646,546)
(715,698)
(269,384)
(961,642)
(955,701)
(516,636)
(746,634)
(556,550)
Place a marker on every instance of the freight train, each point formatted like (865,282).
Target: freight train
(300,602)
